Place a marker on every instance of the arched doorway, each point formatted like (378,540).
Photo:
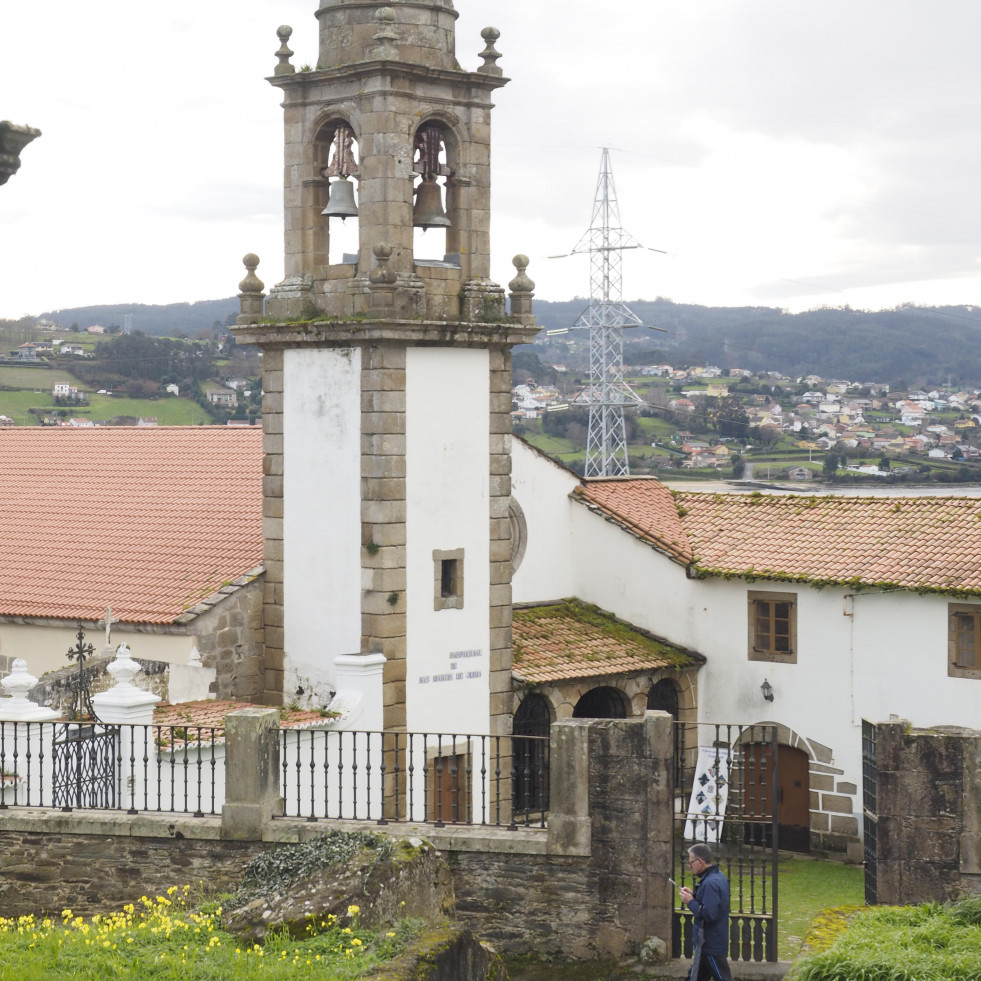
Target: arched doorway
(601,703)
(664,697)
(529,776)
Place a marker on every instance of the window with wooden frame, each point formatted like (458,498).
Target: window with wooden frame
(964,641)
(773,627)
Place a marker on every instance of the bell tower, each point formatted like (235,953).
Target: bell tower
(386,379)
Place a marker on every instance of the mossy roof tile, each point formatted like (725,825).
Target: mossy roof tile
(562,641)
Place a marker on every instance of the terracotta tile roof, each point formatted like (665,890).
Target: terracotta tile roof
(914,543)
(147,520)
(210,714)
(569,640)
(923,543)
(642,505)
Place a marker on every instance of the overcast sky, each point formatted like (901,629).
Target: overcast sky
(781,153)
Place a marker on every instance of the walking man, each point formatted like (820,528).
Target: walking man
(710,904)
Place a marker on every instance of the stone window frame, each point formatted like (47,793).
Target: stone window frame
(756,653)
(448,579)
(955,614)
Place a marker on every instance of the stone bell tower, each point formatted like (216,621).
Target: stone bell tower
(386,376)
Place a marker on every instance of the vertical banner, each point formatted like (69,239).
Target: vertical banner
(709,795)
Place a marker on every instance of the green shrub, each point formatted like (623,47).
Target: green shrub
(898,943)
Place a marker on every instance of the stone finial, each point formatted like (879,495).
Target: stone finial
(123,668)
(490,54)
(283,32)
(19,707)
(381,275)
(385,34)
(522,293)
(19,682)
(250,297)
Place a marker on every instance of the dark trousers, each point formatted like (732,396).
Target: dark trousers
(710,967)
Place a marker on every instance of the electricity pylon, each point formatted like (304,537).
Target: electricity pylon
(606,316)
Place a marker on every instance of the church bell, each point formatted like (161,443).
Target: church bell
(340,202)
(428,210)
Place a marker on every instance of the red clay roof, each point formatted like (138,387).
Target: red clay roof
(148,521)
(914,543)
(642,505)
(926,543)
(569,640)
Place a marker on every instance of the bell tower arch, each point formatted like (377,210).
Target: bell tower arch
(386,380)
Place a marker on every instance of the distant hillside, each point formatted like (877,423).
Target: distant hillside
(169,320)
(915,345)
(911,344)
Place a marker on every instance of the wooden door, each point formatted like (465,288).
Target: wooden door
(793,793)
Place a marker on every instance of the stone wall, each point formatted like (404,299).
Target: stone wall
(230,636)
(928,804)
(588,886)
(47,865)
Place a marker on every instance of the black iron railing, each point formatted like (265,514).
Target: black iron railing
(435,778)
(88,765)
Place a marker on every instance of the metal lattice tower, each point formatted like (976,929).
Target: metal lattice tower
(606,316)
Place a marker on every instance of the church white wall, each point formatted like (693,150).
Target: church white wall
(542,489)
(628,578)
(447,508)
(888,658)
(321,514)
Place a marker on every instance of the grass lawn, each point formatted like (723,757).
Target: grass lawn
(16,405)
(168,411)
(161,938)
(806,886)
(42,379)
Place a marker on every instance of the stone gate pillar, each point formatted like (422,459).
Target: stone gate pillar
(612,800)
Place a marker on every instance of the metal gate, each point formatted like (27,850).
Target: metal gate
(725,794)
(84,756)
(870,818)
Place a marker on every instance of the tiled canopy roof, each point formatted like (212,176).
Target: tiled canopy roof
(925,543)
(211,714)
(148,521)
(569,640)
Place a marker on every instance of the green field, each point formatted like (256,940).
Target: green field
(35,379)
(23,389)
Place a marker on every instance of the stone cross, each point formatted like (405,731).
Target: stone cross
(107,622)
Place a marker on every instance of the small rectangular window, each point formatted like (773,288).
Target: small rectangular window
(964,641)
(773,626)
(448,579)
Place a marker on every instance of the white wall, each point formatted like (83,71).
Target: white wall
(447,508)
(45,648)
(321,514)
(542,488)
(888,658)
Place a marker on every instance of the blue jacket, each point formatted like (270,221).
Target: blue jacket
(710,904)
